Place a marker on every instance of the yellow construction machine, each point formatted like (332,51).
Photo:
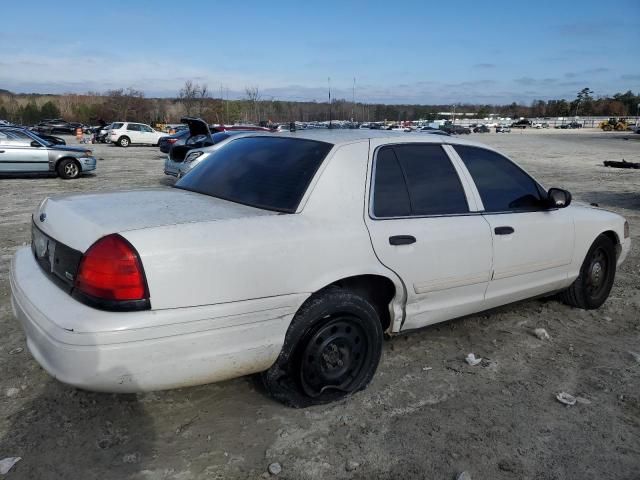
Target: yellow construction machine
(619,125)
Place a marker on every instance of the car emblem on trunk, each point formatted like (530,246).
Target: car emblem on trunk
(43,217)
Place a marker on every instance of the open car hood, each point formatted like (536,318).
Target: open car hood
(197,126)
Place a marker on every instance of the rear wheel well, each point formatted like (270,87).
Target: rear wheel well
(378,289)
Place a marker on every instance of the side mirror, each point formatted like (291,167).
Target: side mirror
(36,144)
(558,198)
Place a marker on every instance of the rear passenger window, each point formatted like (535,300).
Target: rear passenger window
(416,180)
(390,198)
(503,186)
(133,127)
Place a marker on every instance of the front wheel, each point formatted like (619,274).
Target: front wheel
(331,350)
(68,169)
(594,283)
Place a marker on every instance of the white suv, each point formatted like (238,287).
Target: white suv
(126,133)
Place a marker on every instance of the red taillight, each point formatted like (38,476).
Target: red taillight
(172,140)
(111,270)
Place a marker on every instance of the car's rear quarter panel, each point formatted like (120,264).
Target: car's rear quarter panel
(257,257)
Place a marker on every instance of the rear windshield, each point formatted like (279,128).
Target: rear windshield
(264,172)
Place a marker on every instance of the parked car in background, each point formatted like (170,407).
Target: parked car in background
(178,138)
(57,125)
(574,125)
(524,123)
(51,139)
(503,129)
(261,260)
(101,135)
(22,151)
(178,167)
(124,134)
(456,129)
(539,125)
(200,135)
(481,129)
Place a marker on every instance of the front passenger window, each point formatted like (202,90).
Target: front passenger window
(503,186)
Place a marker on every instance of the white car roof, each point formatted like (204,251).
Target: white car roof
(344,136)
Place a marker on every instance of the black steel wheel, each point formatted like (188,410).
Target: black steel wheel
(331,350)
(334,356)
(593,285)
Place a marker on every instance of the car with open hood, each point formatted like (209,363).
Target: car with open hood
(200,136)
(291,255)
(177,167)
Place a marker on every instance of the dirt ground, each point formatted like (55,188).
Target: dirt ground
(427,414)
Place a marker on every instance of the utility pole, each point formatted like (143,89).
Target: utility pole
(329,83)
(223,104)
(353,98)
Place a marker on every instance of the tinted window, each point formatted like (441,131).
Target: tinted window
(503,186)
(116,126)
(133,127)
(434,186)
(432,182)
(390,198)
(264,172)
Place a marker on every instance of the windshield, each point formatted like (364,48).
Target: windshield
(264,172)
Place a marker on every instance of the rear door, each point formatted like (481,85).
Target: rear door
(532,244)
(18,155)
(134,132)
(424,225)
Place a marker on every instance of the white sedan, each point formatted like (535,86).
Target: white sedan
(290,255)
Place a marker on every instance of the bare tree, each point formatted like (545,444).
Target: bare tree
(189,96)
(203,95)
(253,95)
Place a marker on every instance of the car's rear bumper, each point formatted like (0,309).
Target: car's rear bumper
(161,349)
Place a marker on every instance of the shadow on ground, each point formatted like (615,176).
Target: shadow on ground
(69,433)
(628,200)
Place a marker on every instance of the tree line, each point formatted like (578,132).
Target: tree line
(196,100)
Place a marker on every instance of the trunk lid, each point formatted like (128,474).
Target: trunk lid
(79,220)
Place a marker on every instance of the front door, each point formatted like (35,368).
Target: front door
(532,244)
(424,226)
(18,155)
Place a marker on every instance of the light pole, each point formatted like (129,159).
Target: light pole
(329,83)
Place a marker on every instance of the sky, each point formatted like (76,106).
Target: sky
(427,52)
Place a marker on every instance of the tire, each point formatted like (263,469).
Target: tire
(68,169)
(124,142)
(331,350)
(593,285)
